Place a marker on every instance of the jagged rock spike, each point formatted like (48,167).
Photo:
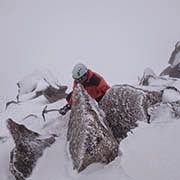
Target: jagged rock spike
(29,147)
(90,138)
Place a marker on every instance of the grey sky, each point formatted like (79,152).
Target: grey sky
(116,38)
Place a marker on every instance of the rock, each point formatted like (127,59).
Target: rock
(147,76)
(40,83)
(52,94)
(173,70)
(37,84)
(29,147)
(39,79)
(175,58)
(166,71)
(90,138)
(150,79)
(164,111)
(124,105)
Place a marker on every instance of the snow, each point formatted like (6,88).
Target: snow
(118,39)
(150,152)
(170,95)
(38,80)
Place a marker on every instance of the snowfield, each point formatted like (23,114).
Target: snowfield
(150,152)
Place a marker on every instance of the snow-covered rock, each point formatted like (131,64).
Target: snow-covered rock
(124,105)
(40,82)
(90,138)
(37,84)
(147,76)
(175,56)
(173,70)
(29,147)
(36,80)
(152,81)
(164,111)
(150,152)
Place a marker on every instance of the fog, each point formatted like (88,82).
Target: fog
(116,38)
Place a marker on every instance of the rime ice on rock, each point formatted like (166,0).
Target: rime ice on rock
(29,147)
(175,56)
(30,82)
(173,70)
(147,76)
(90,138)
(150,79)
(164,111)
(124,105)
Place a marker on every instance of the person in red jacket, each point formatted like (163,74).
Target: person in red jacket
(93,83)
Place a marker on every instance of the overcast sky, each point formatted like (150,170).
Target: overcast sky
(117,38)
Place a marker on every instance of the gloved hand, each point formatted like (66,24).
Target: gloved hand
(64,109)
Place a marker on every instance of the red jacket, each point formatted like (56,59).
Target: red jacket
(95,85)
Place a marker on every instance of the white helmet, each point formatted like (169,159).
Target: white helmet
(79,70)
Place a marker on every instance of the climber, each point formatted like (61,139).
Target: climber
(93,83)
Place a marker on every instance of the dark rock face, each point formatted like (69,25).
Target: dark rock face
(52,94)
(166,71)
(28,149)
(124,105)
(174,54)
(173,70)
(90,138)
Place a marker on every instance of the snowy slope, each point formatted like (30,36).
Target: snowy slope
(151,152)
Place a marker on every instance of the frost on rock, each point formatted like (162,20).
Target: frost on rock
(30,82)
(124,105)
(175,56)
(171,93)
(40,83)
(173,70)
(150,79)
(90,138)
(148,75)
(28,149)
(164,111)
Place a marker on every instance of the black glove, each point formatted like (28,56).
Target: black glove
(64,109)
